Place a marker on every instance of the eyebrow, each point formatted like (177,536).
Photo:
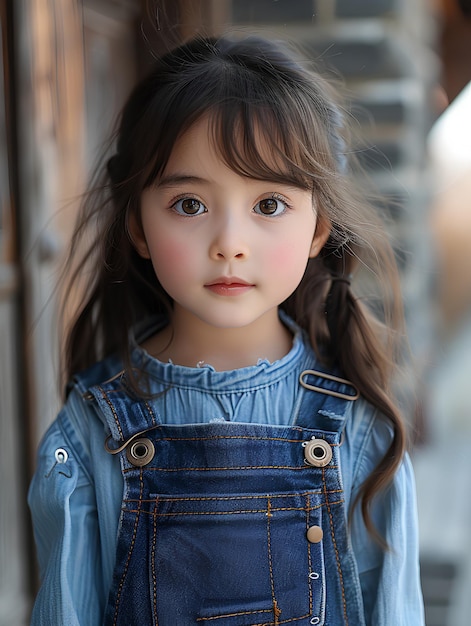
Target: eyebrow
(173,180)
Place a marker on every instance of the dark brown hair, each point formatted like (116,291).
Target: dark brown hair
(249,89)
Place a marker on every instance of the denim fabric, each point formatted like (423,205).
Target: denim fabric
(76,507)
(214,528)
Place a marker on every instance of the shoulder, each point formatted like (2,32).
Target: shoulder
(73,469)
(367,436)
(96,374)
(69,442)
(79,419)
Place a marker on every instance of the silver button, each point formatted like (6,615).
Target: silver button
(317,452)
(140,452)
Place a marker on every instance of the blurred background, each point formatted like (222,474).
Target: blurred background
(405,65)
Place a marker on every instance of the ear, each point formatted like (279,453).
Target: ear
(137,237)
(323,228)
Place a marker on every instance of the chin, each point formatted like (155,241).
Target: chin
(229,322)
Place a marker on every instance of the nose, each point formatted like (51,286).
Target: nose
(229,240)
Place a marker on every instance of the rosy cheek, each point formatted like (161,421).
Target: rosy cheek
(171,261)
(281,255)
(168,254)
(286,257)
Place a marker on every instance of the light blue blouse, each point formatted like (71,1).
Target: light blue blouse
(263,394)
(76,493)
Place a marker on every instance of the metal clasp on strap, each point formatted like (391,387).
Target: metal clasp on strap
(329,392)
(139,450)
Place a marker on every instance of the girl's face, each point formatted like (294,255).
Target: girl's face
(227,249)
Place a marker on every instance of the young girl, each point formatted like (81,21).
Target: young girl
(228,452)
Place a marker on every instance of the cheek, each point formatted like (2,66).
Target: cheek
(280,255)
(171,261)
(167,253)
(289,259)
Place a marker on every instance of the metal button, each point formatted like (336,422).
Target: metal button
(140,452)
(315,534)
(317,452)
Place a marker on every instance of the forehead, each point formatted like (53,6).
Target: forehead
(192,141)
(249,147)
(193,157)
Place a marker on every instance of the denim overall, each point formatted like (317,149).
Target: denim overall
(232,524)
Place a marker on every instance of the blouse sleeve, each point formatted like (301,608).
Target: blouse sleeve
(390,579)
(63,506)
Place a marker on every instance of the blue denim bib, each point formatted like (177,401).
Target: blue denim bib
(232,524)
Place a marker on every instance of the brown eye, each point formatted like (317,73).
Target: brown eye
(189,206)
(270,207)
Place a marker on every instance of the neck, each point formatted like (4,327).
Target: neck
(188,341)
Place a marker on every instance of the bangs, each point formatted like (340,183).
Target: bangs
(266,126)
(249,141)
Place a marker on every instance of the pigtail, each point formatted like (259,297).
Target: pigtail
(337,310)
(365,362)
(346,334)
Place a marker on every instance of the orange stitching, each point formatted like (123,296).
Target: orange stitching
(242,497)
(276,610)
(131,548)
(154,575)
(185,513)
(241,437)
(151,413)
(284,621)
(242,511)
(202,619)
(293,508)
(309,560)
(115,416)
(218,469)
(337,557)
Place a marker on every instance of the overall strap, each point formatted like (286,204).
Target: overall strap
(325,401)
(126,415)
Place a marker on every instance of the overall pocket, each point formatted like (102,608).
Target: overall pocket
(240,560)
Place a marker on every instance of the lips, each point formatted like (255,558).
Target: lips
(229,286)
(228,280)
